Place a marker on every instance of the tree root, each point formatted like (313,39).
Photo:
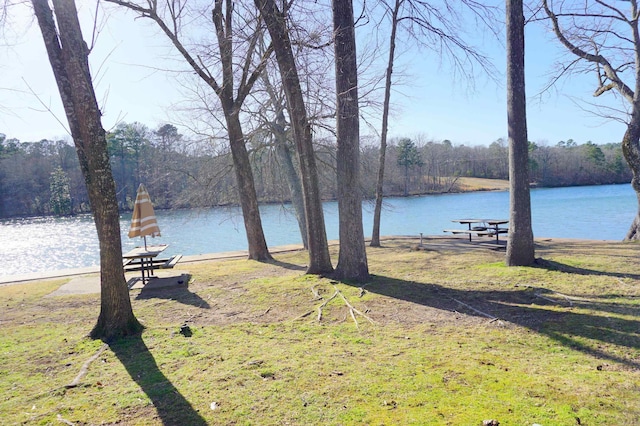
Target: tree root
(352,309)
(316,294)
(85,367)
(323,304)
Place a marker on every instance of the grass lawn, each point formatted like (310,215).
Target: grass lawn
(444,335)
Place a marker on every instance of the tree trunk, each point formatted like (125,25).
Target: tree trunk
(68,55)
(631,151)
(377,212)
(520,246)
(319,259)
(352,259)
(283,153)
(246,188)
(221,15)
(293,180)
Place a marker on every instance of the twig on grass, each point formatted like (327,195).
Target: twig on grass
(85,367)
(554,300)
(65,421)
(484,314)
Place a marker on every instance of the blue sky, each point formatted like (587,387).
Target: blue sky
(127,67)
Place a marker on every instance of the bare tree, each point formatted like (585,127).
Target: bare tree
(520,247)
(68,54)
(352,259)
(169,20)
(433,28)
(278,128)
(319,258)
(605,40)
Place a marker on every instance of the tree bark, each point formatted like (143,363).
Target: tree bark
(293,180)
(352,259)
(246,187)
(283,152)
(520,246)
(631,152)
(377,211)
(319,258)
(68,55)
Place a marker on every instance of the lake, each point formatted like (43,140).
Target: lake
(46,243)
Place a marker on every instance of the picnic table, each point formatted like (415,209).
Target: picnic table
(481,227)
(143,258)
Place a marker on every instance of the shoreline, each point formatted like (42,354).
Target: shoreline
(239,254)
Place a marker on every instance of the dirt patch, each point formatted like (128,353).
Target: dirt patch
(441,281)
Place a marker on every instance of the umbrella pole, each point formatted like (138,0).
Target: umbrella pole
(145,242)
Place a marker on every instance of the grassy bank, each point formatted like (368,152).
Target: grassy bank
(445,335)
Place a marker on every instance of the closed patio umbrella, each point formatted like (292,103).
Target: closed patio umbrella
(143,221)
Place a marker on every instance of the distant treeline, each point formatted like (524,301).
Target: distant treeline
(44,178)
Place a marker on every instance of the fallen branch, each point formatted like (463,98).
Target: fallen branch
(65,421)
(484,314)
(85,367)
(554,300)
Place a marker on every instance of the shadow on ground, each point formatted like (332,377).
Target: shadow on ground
(562,267)
(172,407)
(173,288)
(550,315)
(287,265)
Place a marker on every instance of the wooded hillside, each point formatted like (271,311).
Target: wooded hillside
(44,178)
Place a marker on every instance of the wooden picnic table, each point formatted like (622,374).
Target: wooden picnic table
(482,227)
(144,256)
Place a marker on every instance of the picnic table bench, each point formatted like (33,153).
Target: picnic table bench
(145,259)
(481,228)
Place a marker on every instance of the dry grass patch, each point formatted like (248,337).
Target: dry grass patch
(438,336)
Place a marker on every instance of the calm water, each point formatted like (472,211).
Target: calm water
(43,244)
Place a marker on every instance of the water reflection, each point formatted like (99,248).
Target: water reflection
(42,244)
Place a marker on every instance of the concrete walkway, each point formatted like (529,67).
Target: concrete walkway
(87,280)
(87,272)
(90,284)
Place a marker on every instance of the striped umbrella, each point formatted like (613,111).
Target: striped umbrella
(143,221)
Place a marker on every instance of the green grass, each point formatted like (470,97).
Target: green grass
(255,358)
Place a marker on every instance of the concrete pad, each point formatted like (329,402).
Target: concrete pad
(90,284)
(176,279)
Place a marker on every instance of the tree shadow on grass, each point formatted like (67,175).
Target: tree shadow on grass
(287,265)
(172,407)
(173,288)
(524,307)
(563,267)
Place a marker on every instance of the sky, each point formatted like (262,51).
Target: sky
(130,60)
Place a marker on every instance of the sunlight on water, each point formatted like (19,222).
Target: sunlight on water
(45,244)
